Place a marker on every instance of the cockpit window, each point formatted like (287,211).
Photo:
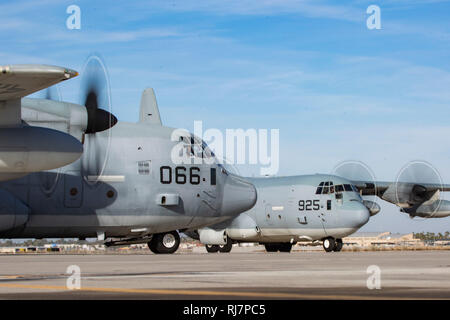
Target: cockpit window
(207,151)
(331,189)
(196,147)
(319,188)
(325,188)
(342,187)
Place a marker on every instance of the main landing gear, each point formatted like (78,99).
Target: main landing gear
(212,248)
(331,244)
(164,243)
(282,247)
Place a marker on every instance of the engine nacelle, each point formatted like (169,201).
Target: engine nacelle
(435,209)
(13,212)
(68,117)
(372,206)
(212,237)
(407,195)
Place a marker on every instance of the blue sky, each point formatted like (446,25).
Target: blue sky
(336,90)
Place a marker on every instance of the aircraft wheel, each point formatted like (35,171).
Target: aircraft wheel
(152,245)
(165,243)
(338,245)
(212,248)
(271,247)
(226,247)
(285,247)
(329,244)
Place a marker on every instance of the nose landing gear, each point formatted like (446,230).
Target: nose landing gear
(331,244)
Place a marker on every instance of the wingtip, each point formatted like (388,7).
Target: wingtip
(69,73)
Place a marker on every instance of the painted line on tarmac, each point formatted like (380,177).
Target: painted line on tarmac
(178,292)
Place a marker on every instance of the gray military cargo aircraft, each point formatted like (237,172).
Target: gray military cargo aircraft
(319,207)
(75,171)
(292,209)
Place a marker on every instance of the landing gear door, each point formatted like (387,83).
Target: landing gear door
(73,189)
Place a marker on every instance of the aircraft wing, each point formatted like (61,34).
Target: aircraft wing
(416,199)
(367,188)
(17,81)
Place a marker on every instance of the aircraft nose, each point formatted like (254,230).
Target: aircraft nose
(360,215)
(355,214)
(238,196)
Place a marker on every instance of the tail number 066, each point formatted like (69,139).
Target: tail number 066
(182,176)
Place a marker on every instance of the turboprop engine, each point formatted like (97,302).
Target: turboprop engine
(417,200)
(42,134)
(432,209)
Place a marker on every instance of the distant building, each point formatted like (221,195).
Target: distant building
(366,239)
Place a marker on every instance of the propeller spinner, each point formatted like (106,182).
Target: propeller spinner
(95,95)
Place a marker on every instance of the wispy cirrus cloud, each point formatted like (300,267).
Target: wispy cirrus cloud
(309,8)
(105,36)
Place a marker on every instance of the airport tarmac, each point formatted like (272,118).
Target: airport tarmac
(238,275)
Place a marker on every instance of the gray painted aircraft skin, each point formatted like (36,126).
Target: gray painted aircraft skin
(289,210)
(318,207)
(124,186)
(123,199)
(279,218)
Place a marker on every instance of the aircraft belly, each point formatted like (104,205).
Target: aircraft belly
(286,234)
(340,232)
(68,225)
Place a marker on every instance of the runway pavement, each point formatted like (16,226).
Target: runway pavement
(237,275)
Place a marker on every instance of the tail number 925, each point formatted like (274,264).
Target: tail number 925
(308,205)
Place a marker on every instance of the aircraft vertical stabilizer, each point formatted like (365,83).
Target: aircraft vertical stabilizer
(149,112)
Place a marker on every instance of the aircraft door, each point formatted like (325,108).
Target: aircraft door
(73,189)
(327,206)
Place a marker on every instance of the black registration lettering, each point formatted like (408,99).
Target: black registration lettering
(308,205)
(165,178)
(181,176)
